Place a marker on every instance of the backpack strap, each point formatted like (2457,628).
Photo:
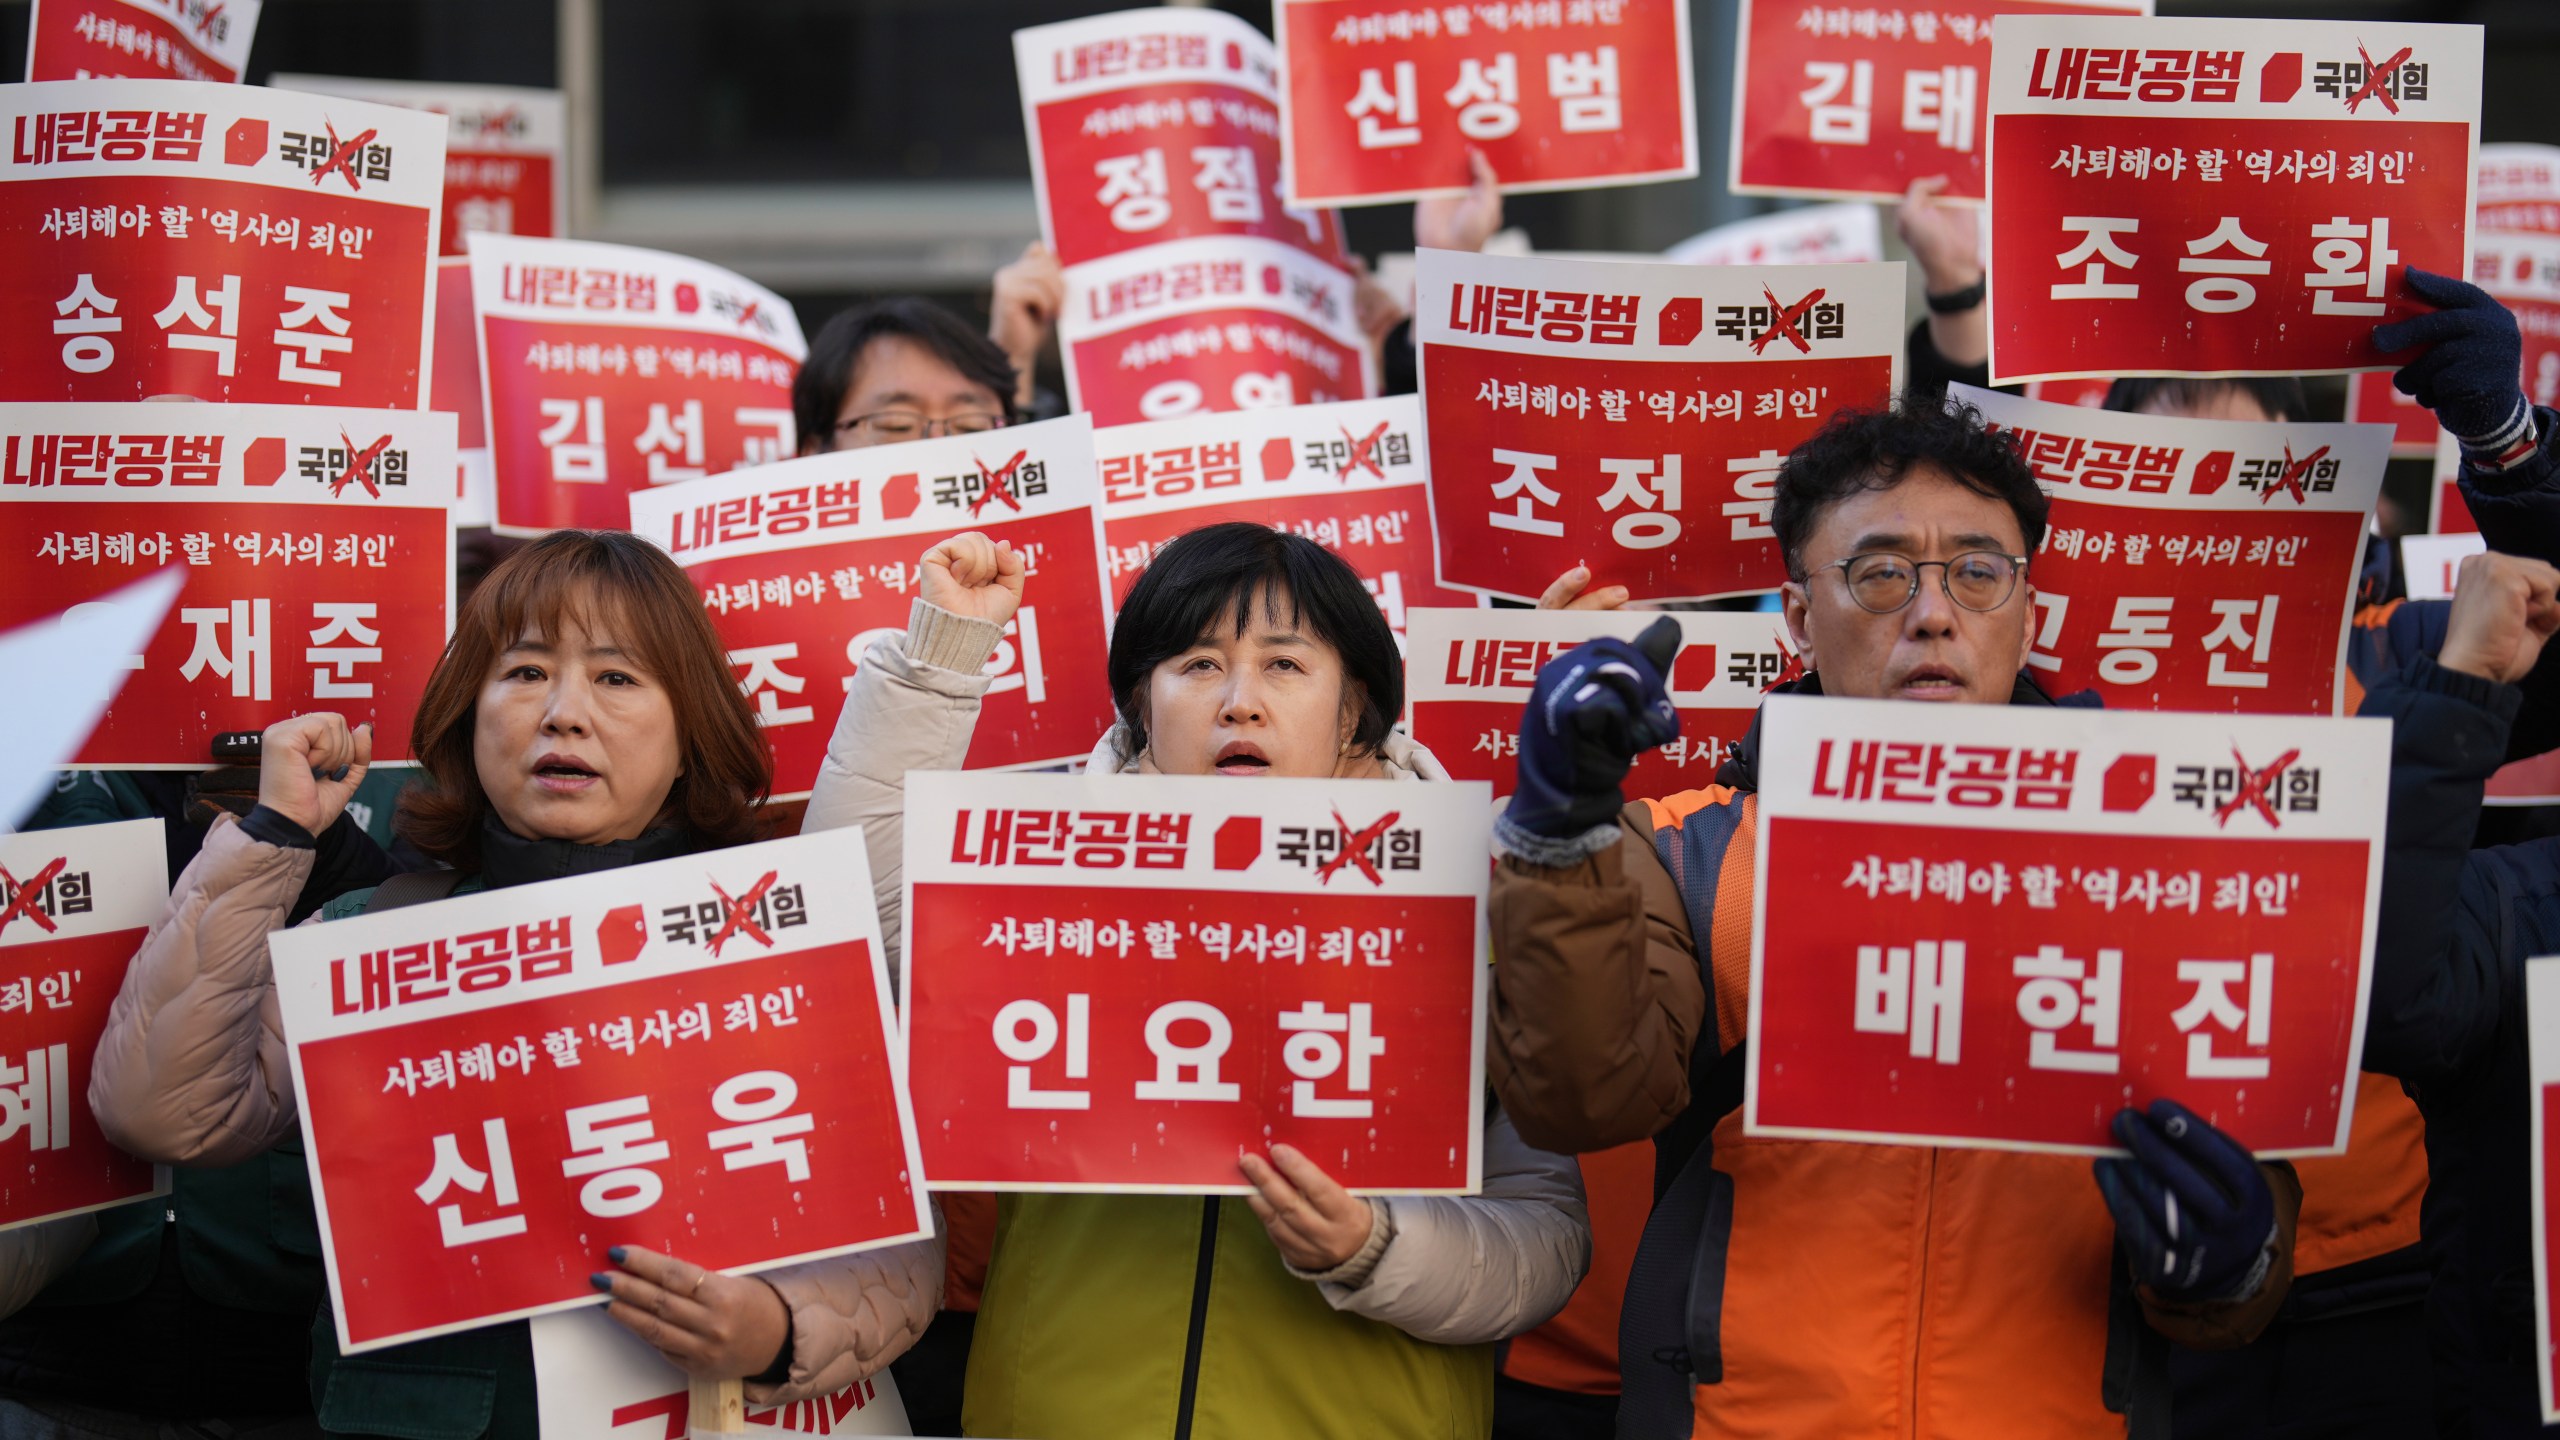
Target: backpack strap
(414,887)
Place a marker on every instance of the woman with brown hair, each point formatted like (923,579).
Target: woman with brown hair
(582,718)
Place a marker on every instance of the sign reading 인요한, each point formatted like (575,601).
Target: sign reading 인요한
(206,40)
(505,159)
(1996,926)
(1122,982)
(498,1087)
(1633,416)
(74,907)
(803,564)
(2281,174)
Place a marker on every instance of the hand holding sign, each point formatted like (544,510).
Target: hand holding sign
(2504,609)
(1465,219)
(2467,370)
(1316,1224)
(309,767)
(709,1325)
(2191,1206)
(973,576)
(1595,708)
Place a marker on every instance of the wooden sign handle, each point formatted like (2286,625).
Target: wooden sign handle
(719,1407)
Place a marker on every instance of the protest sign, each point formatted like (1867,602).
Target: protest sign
(1216,323)
(81,654)
(1382,100)
(455,389)
(2542,1020)
(1566,398)
(1860,101)
(804,563)
(593,1377)
(2523,272)
(499,1087)
(2193,564)
(2089,392)
(2447,514)
(2519,188)
(313,542)
(2284,171)
(205,40)
(2373,400)
(607,369)
(505,158)
(226,242)
(1469,674)
(1995,925)
(2432,563)
(1081,1015)
(1812,235)
(74,906)
(1348,476)
(1158,124)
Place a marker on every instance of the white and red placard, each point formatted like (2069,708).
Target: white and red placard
(1349,476)
(1859,101)
(2090,391)
(2447,513)
(74,906)
(1845,234)
(505,159)
(206,40)
(2193,564)
(2519,188)
(608,369)
(81,653)
(497,1088)
(2431,564)
(2523,272)
(1158,124)
(804,563)
(455,389)
(1996,926)
(225,242)
(313,540)
(1382,100)
(2542,1022)
(592,1378)
(1123,982)
(1633,417)
(2280,175)
(1468,674)
(2373,400)
(1208,324)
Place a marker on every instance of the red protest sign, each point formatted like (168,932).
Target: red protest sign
(2447,514)
(804,563)
(597,1377)
(204,40)
(1153,125)
(1348,476)
(2519,189)
(2373,400)
(74,906)
(455,390)
(1808,235)
(2542,1020)
(1082,1014)
(1468,674)
(505,159)
(2523,272)
(1383,101)
(607,369)
(2194,564)
(1858,103)
(228,242)
(2286,170)
(497,1088)
(1997,925)
(313,541)
(1577,406)
(1211,324)
(2091,392)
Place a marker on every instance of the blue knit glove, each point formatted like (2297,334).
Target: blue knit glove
(1597,706)
(2470,366)
(2192,1208)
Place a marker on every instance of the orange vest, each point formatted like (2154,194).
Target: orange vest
(1578,1349)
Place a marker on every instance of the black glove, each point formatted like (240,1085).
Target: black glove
(2192,1208)
(2470,367)
(1596,707)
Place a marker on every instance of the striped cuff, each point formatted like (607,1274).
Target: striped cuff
(1353,1273)
(1548,852)
(2510,443)
(946,641)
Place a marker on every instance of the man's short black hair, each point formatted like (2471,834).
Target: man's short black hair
(818,392)
(1210,577)
(2281,397)
(1862,450)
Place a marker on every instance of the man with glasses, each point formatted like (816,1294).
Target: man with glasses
(1819,1288)
(896,370)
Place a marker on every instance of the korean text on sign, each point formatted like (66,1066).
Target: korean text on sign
(2220,196)
(2193,564)
(805,563)
(228,242)
(1994,926)
(1634,416)
(313,542)
(1468,676)
(205,40)
(1384,99)
(497,1088)
(74,905)
(506,157)
(1093,1008)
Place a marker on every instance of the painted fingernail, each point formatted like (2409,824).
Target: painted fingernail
(340,773)
(615,1254)
(601,1281)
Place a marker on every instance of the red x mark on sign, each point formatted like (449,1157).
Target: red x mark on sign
(740,921)
(2295,472)
(2253,788)
(204,22)
(342,158)
(22,898)
(1364,453)
(1355,849)
(2374,78)
(747,313)
(999,484)
(1785,325)
(1793,669)
(360,468)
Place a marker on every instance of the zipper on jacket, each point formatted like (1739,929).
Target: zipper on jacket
(1199,1317)
(1920,1293)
